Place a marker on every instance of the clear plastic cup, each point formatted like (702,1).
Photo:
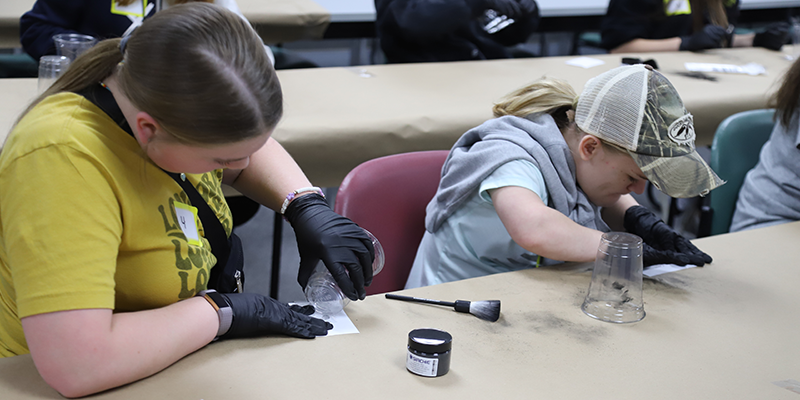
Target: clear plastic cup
(71,45)
(324,293)
(50,68)
(615,293)
(795,35)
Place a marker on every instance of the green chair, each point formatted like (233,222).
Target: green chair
(580,39)
(18,66)
(734,152)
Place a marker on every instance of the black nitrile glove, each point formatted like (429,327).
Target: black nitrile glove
(662,244)
(256,315)
(773,37)
(710,37)
(653,256)
(342,245)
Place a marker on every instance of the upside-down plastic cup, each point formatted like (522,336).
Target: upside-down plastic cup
(615,293)
(50,68)
(324,293)
(795,34)
(71,45)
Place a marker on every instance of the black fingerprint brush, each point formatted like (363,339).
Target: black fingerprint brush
(484,309)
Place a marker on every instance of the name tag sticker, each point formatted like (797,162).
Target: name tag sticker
(187,215)
(136,8)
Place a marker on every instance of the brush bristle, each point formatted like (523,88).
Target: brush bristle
(486,309)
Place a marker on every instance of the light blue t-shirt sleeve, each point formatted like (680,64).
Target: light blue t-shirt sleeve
(520,173)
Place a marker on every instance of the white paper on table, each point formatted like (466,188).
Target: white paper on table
(342,325)
(663,269)
(585,62)
(750,69)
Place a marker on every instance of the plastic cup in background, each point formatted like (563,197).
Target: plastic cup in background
(50,68)
(615,293)
(71,45)
(324,293)
(795,33)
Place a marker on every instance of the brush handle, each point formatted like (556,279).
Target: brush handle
(419,300)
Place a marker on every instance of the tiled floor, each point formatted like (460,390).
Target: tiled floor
(256,235)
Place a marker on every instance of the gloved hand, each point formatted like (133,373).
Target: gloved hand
(773,37)
(662,244)
(255,315)
(341,244)
(503,7)
(710,37)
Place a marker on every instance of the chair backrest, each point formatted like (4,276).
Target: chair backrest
(735,150)
(387,196)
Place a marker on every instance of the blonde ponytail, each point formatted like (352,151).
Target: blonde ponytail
(547,95)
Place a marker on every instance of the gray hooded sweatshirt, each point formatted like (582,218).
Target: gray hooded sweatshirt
(445,255)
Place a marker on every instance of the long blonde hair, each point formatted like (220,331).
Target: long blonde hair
(546,95)
(198,69)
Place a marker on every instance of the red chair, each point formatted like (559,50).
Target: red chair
(387,196)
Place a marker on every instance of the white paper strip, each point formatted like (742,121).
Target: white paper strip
(749,69)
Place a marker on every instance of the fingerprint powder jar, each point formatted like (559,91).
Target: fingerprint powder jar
(429,352)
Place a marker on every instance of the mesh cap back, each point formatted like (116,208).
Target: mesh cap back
(611,106)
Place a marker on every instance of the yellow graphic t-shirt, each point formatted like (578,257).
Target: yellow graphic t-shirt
(87,221)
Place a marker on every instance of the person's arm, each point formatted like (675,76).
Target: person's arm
(45,19)
(270,176)
(614,215)
(80,352)
(710,37)
(322,235)
(627,20)
(745,40)
(648,45)
(542,230)
(85,351)
(526,21)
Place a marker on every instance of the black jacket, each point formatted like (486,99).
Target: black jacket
(445,30)
(88,17)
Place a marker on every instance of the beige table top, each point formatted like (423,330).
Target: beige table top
(336,118)
(725,331)
(276,20)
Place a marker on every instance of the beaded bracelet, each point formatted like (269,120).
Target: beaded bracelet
(292,195)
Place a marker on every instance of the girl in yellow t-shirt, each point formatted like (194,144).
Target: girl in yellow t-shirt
(102,259)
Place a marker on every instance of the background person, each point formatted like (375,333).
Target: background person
(770,193)
(101,19)
(632,26)
(453,30)
(540,183)
(98,275)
